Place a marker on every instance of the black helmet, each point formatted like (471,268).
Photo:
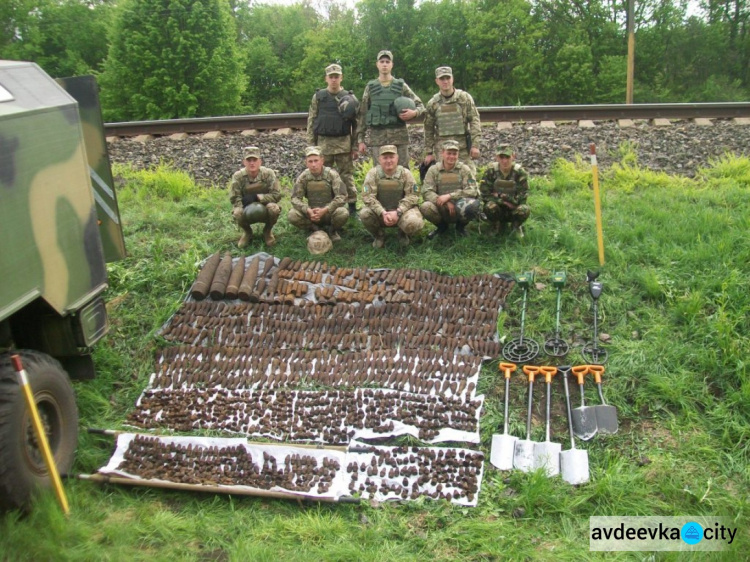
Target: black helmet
(348,105)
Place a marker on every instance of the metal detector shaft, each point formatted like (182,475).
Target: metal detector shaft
(523,314)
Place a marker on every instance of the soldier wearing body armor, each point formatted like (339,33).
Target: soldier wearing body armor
(391,198)
(505,188)
(318,197)
(450,193)
(387,104)
(452,115)
(255,193)
(332,125)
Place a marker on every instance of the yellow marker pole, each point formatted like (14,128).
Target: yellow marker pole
(41,436)
(597,203)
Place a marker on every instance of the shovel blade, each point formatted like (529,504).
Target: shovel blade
(503,449)
(606,419)
(574,466)
(523,455)
(547,456)
(584,422)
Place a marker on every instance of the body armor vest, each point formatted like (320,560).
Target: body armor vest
(328,122)
(381,112)
(390,192)
(505,186)
(448,182)
(450,120)
(319,193)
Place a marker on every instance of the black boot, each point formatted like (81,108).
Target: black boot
(461,230)
(440,230)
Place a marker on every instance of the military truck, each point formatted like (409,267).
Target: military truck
(59,224)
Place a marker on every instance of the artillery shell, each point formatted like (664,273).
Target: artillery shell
(202,284)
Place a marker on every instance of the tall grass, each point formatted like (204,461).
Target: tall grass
(674,308)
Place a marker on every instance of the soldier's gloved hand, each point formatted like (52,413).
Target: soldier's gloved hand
(237,212)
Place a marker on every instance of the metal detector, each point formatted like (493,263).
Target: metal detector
(591,351)
(522,350)
(555,346)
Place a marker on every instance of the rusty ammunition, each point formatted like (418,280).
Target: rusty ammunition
(202,284)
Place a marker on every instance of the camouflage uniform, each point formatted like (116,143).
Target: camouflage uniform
(462,186)
(398,192)
(512,189)
(337,150)
(326,190)
(395,133)
(454,118)
(258,197)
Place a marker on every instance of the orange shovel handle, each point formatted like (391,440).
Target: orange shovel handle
(579,371)
(548,373)
(597,371)
(531,371)
(507,369)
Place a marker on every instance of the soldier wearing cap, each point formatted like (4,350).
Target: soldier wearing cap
(318,197)
(451,115)
(332,125)
(505,188)
(450,193)
(255,193)
(384,112)
(391,198)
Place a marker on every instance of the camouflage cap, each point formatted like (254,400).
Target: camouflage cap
(319,243)
(504,150)
(450,145)
(443,71)
(388,149)
(250,152)
(385,53)
(313,151)
(333,69)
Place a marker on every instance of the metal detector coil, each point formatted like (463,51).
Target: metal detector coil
(555,346)
(520,350)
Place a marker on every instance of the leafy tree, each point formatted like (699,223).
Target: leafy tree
(170,59)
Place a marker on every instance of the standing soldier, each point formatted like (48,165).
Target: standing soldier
(332,125)
(390,195)
(450,193)
(505,188)
(387,104)
(451,114)
(318,197)
(255,193)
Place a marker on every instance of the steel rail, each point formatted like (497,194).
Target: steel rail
(488,114)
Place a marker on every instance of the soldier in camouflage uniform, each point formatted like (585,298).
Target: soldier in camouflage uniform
(391,198)
(255,193)
(378,115)
(332,125)
(318,197)
(505,188)
(450,193)
(451,114)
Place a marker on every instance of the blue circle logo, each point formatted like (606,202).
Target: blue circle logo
(691,533)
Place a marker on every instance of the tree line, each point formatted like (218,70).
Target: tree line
(159,59)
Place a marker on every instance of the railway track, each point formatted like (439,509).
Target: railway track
(511,114)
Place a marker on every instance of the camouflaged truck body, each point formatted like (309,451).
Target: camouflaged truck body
(55,212)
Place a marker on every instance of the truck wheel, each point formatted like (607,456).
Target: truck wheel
(22,467)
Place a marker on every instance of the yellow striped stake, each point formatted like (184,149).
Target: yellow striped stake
(41,436)
(597,203)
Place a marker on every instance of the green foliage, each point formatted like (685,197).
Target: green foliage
(171,59)
(163,182)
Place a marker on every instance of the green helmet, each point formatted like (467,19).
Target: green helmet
(402,102)
(348,106)
(255,212)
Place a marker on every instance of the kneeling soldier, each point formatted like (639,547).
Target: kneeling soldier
(325,193)
(450,193)
(505,188)
(390,196)
(255,194)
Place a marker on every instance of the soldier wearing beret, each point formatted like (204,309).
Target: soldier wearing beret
(332,125)
(383,112)
(450,193)
(451,115)
(318,197)
(505,188)
(255,193)
(390,195)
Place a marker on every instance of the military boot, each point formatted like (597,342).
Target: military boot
(403,238)
(461,230)
(268,236)
(246,238)
(518,229)
(439,231)
(334,235)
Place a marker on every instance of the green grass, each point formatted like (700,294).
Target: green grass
(675,304)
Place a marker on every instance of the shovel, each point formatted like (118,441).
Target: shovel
(503,446)
(523,454)
(606,415)
(584,417)
(547,454)
(574,463)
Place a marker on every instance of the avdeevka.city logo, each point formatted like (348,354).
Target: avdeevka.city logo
(661,533)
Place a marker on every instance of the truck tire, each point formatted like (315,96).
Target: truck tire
(22,468)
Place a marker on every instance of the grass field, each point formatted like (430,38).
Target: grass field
(675,307)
